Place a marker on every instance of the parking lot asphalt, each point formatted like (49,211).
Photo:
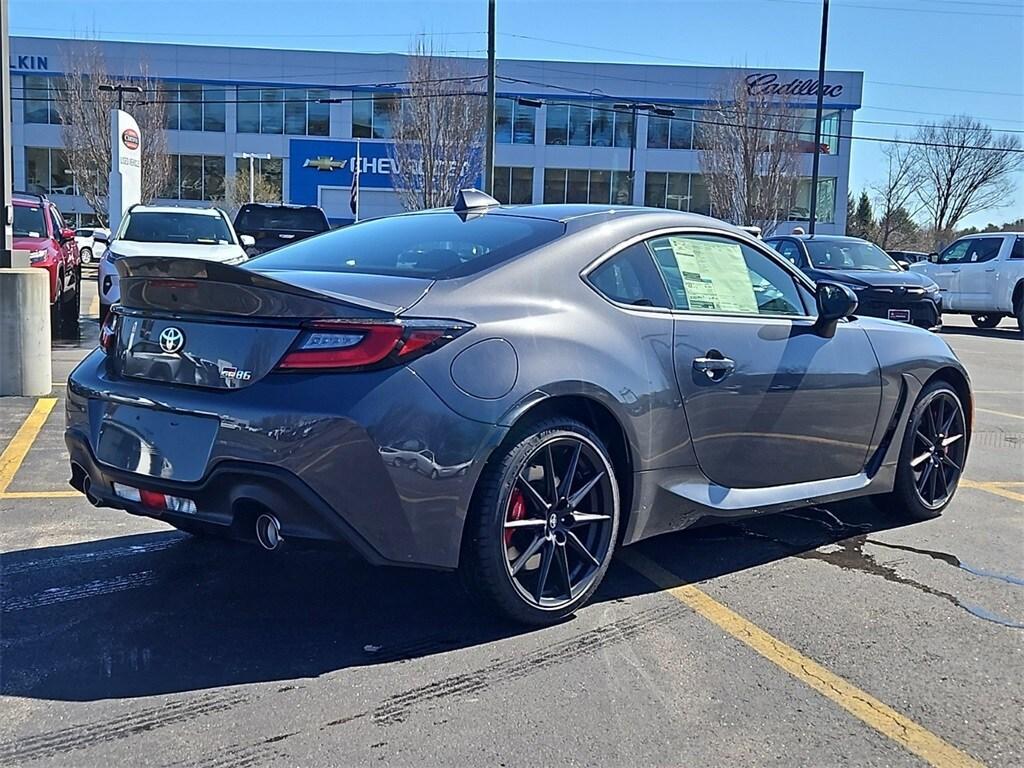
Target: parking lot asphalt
(820,637)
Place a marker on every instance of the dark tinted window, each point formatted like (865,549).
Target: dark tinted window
(789,249)
(982,249)
(84,233)
(707,273)
(434,245)
(29,221)
(292,219)
(167,227)
(1018,249)
(630,277)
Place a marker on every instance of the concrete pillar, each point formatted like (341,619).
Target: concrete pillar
(25,367)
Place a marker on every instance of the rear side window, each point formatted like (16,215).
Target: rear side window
(706,273)
(290,219)
(432,245)
(1018,249)
(789,250)
(630,277)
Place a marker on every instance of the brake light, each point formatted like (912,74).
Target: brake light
(108,332)
(351,345)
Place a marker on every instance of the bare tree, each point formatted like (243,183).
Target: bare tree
(85,127)
(750,157)
(897,197)
(438,128)
(236,191)
(965,169)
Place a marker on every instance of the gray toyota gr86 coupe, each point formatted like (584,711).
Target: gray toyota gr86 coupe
(512,392)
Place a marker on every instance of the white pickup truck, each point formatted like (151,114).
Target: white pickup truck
(981,276)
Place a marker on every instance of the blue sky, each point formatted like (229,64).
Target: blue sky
(922,59)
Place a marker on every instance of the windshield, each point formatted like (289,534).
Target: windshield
(29,221)
(168,227)
(849,254)
(435,245)
(289,219)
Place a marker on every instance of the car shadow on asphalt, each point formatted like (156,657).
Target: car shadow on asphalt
(163,612)
(1007,331)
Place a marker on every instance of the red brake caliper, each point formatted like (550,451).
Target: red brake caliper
(516,511)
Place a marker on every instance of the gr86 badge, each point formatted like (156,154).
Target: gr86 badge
(235,374)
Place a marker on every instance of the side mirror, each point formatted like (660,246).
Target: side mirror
(247,240)
(933,258)
(67,235)
(904,265)
(835,302)
(100,237)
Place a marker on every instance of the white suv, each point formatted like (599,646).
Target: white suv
(149,230)
(981,276)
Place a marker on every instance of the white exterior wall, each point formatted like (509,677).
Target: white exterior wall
(665,84)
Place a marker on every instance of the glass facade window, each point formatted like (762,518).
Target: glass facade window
(514,123)
(271,169)
(588,125)
(513,186)
(192,106)
(674,132)
(374,117)
(580,185)
(678,191)
(826,203)
(290,111)
(40,95)
(195,177)
(47,172)
(829,131)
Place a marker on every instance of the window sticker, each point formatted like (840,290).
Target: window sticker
(715,276)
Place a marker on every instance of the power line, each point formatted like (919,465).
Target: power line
(860,6)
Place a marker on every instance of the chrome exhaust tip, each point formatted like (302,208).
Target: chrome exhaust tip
(268,532)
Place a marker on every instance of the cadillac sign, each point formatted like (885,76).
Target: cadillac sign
(767,84)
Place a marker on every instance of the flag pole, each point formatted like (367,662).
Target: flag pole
(358,170)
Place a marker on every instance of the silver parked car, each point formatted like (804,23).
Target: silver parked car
(513,392)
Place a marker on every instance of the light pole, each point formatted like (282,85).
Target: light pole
(121,88)
(817,120)
(6,182)
(489,150)
(250,156)
(635,107)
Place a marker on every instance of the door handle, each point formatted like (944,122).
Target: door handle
(715,367)
(992,269)
(955,269)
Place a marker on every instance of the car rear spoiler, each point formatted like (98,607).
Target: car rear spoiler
(198,286)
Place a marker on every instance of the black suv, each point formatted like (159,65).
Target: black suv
(883,287)
(272,225)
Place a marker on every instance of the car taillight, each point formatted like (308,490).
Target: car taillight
(345,345)
(108,332)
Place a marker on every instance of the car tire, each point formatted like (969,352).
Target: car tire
(986,321)
(535,564)
(1018,311)
(932,455)
(86,255)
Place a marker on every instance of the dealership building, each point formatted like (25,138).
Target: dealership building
(565,131)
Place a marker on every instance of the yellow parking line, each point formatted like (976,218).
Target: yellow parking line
(999,413)
(996,488)
(16,450)
(94,306)
(858,703)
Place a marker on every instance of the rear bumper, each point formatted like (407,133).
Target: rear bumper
(308,448)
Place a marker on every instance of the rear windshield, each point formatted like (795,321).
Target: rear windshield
(435,245)
(288,219)
(84,233)
(28,221)
(169,227)
(849,254)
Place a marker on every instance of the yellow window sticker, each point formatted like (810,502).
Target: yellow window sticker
(715,275)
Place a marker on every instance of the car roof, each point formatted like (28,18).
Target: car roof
(27,198)
(823,238)
(175,209)
(990,234)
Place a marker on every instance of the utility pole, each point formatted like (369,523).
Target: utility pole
(635,108)
(250,156)
(817,120)
(489,153)
(6,181)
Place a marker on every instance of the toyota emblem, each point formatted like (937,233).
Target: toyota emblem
(171,340)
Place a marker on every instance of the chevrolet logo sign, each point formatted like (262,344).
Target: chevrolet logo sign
(324,164)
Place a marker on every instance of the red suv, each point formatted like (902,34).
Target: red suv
(40,230)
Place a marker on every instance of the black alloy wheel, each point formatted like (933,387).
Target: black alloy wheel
(940,448)
(986,321)
(545,524)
